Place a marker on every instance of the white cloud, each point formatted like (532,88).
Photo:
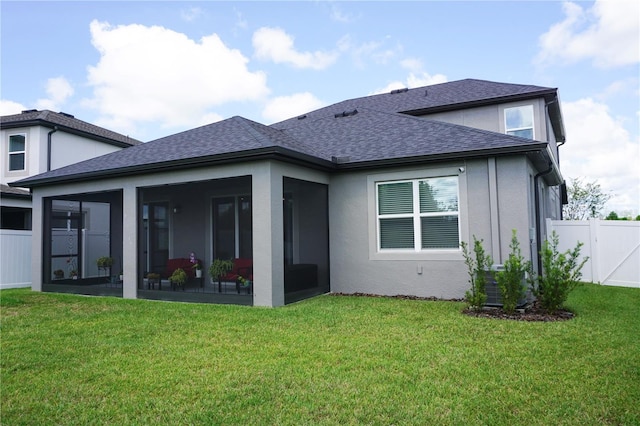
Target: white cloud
(274,44)
(241,22)
(153,74)
(283,107)
(9,107)
(621,88)
(608,33)
(191,14)
(375,51)
(599,148)
(59,90)
(337,15)
(413,80)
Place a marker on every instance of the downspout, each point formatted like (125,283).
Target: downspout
(536,196)
(55,129)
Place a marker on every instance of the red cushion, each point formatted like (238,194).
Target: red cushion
(180,262)
(241,267)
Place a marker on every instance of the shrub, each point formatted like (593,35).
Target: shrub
(560,274)
(511,279)
(179,277)
(477,266)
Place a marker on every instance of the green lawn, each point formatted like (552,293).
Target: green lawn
(329,360)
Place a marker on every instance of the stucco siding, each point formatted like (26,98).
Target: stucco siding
(68,149)
(491,117)
(493,201)
(513,204)
(354,270)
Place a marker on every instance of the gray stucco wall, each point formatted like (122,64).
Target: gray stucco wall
(491,117)
(493,201)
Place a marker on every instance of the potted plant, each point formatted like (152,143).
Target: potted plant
(104,262)
(218,269)
(152,279)
(58,274)
(178,278)
(73,274)
(197,269)
(243,283)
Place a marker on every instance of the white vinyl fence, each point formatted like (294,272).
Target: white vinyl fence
(613,247)
(15,258)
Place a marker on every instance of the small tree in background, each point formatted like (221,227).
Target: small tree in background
(477,265)
(560,274)
(511,279)
(612,216)
(585,200)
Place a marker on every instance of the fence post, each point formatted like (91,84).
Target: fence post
(594,253)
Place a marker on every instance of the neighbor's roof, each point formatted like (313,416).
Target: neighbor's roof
(9,192)
(363,138)
(68,123)
(438,97)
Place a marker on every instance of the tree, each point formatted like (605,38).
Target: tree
(586,199)
(612,216)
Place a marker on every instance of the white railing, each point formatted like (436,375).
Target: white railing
(15,258)
(613,247)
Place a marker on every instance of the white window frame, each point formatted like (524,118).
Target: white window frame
(516,129)
(448,169)
(416,215)
(12,153)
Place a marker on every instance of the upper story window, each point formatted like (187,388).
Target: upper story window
(518,121)
(17,152)
(419,214)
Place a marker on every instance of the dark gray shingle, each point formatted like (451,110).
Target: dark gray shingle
(51,119)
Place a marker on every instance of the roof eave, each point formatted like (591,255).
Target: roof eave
(67,129)
(448,156)
(278,153)
(547,94)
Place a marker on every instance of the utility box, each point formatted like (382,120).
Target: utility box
(494,297)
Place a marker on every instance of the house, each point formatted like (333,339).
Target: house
(35,142)
(370,195)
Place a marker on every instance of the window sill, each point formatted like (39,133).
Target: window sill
(433,255)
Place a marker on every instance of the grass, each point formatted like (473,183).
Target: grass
(331,360)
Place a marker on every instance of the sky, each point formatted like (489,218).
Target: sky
(149,69)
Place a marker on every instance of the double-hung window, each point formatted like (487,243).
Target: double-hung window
(418,214)
(518,121)
(17,152)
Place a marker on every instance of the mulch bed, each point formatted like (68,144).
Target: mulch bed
(531,312)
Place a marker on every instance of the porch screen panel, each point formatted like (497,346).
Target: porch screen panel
(224,229)
(244,228)
(65,235)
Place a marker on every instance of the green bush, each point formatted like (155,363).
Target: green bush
(179,277)
(560,274)
(511,279)
(477,266)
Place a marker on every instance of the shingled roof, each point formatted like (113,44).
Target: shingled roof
(68,123)
(438,97)
(373,131)
(360,138)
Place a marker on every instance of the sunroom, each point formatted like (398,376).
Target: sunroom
(275,226)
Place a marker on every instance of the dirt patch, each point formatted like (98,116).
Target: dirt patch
(398,296)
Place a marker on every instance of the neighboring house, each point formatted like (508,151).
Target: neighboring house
(32,143)
(370,195)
